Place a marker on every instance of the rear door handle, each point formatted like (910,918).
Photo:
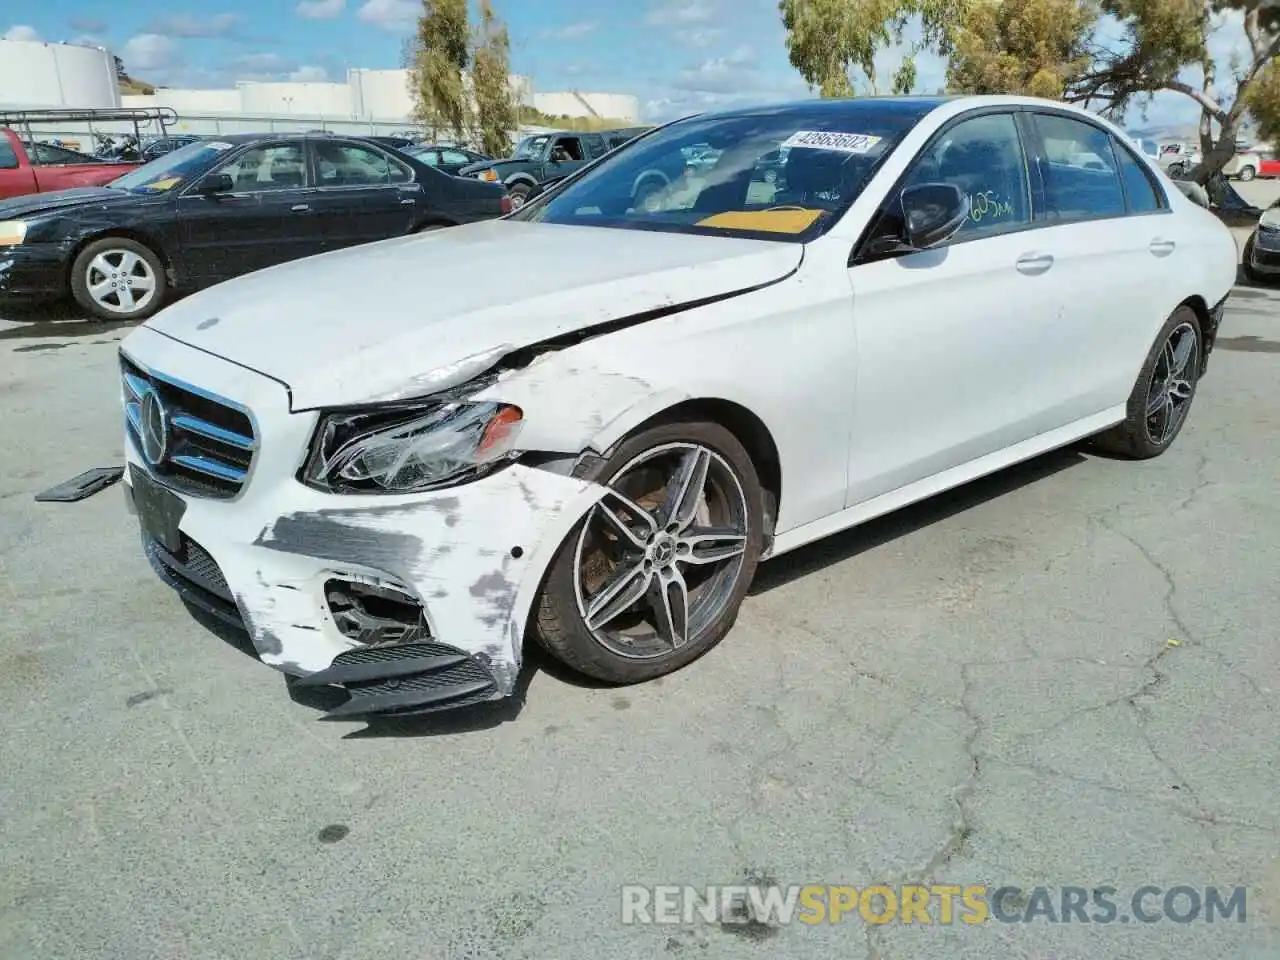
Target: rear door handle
(1033,264)
(300,207)
(1162,248)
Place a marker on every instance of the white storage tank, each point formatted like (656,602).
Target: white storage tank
(57,76)
(296,99)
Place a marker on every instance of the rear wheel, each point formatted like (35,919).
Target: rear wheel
(653,576)
(1248,173)
(1161,399)
(116,278)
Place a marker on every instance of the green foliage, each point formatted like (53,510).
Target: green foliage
(1263,103)
(1106,54)
(490,78)
(438,55)
(828,38)
(1030,47)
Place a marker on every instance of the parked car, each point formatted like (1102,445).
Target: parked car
(448,160)
(395,143)
(1261,256)
(545,156)
(46,154)
(216,209)
(49,168)
(584,425)
(159,146)
(1181,156)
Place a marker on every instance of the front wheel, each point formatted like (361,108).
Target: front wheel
(519,193)
(1246,261)
(1161,399)
(1248,173)
(116,278)
(653,576)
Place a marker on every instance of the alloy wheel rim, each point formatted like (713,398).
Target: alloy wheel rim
(659,556)
(1172,384)
(120,281)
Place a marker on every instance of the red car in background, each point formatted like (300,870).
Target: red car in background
(51,168)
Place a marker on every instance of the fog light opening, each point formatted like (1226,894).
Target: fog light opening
(375,614)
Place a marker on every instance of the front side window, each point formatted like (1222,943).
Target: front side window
(786,173)
(566,149)
(984,158)
(8,158)
(266,169)
(1081,181)
(453,156)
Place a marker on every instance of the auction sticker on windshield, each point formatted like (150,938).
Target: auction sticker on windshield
(829,140)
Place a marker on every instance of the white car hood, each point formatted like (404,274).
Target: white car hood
(408,316)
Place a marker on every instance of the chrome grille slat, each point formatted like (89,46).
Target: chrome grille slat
(190,424)
(210,441)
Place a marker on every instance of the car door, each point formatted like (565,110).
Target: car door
(950,340)
(364,194)
(573,150)
(1115,248)
(265,219)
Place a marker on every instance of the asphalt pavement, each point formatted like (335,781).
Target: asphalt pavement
(1065,675)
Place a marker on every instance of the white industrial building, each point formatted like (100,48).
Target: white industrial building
(58,75)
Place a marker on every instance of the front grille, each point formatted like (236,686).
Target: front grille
(208,442)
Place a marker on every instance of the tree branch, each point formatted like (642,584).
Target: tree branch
(1199,96)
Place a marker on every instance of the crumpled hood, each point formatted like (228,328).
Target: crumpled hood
(38,203)
(407,316)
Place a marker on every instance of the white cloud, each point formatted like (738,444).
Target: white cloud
(262,63)
(680,13)
(308,74)
(149,51)
(390,14)
(572,31)
(733,73)
(88,40)
(699,36)
(190,25)
(21,32)
(320,9)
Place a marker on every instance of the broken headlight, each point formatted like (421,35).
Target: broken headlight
(411,450)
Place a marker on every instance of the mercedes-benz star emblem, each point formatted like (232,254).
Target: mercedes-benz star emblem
(155,428)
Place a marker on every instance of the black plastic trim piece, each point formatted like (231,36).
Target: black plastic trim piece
(417,701)
(340,673)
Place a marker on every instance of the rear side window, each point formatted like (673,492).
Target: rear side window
(1081,181)
(1141,192)
(8,159)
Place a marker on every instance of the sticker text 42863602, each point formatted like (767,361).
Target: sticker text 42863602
(828,140)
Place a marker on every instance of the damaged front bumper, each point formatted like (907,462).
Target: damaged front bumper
(409,603)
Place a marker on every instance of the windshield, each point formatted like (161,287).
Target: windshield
(783,174)
(530,146)
(172,169)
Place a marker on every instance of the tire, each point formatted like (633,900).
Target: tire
(519,193)
(1246,262)
(125,265)
(1141,437)
(636,646)
(1247,174)
(646,190)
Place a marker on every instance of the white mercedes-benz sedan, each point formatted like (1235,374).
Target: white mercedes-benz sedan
(587,423)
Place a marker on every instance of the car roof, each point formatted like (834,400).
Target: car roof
(905,106)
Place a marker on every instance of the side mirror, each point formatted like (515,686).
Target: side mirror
(932,213)
(216,183)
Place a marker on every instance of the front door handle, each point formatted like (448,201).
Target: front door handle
(1162,248)
(300,207)
(1033,264)
(407,203)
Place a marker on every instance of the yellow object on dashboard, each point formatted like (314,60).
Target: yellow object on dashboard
(776,220)
(166,184)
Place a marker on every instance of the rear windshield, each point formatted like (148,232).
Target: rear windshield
(784,174)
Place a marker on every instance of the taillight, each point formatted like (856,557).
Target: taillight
(506,203)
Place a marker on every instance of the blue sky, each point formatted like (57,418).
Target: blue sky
(676,56)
